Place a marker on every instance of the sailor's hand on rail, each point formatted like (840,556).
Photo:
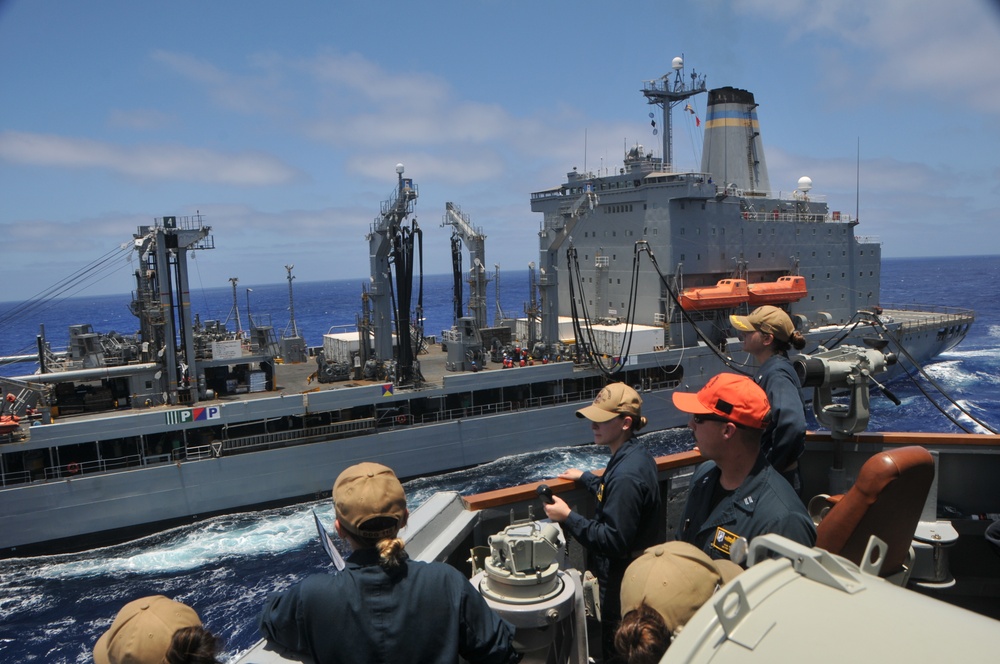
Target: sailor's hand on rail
(571,474)
(557,510)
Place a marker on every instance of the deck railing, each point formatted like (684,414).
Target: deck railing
(945,316)
(257,442)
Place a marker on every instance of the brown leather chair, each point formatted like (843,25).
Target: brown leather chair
(885,501)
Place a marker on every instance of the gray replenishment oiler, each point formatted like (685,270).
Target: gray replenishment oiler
(638,272)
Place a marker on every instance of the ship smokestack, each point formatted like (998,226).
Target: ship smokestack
(733,153)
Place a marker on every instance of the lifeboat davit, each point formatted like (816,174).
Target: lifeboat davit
(727,293)
(784,290)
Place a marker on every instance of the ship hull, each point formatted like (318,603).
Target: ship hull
(80,511)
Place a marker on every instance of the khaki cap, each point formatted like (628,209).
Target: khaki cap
(368,491)
(674,579)
(614,400)
(767,319)
(142,630)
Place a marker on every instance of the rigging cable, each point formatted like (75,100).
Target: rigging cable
(96,271)
(885,330)
(727,360)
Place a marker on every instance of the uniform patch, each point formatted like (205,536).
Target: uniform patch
(723,540)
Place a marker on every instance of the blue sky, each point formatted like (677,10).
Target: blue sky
(282,122)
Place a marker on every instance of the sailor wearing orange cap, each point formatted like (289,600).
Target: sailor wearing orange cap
(736,493)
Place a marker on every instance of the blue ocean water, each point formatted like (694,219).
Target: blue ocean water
(55,607)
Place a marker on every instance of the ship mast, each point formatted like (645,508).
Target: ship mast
(291,306)
(236,307)
(666,95)
(292,346)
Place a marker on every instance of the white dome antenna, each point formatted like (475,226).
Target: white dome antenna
(805,183)
(677,63)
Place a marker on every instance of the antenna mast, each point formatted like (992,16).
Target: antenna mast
(236,308)
(666,95)
(291,305)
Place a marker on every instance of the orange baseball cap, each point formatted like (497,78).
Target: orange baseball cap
(732,396)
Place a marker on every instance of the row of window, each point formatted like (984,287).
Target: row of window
(614,233)
(843,275)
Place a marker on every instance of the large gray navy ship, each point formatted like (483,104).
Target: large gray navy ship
(638,273)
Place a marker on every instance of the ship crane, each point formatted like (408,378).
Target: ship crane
(164,304)
(555,232)
(475,240)
(391,243)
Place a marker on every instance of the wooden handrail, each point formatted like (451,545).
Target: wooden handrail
(903,438)
(516,494)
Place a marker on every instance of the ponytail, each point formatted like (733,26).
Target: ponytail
(642,636)
(192,645)
(796,341)
(390,553)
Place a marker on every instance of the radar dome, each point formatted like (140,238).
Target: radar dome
(678,63)
(400,169)
(805,183)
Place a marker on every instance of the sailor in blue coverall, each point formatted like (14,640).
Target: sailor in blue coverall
(736,493)
(628,500)
(768,334)
(383,606)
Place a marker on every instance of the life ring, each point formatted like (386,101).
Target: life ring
(72,468)
(401,419)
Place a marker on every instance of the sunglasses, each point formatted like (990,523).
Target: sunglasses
(701,419)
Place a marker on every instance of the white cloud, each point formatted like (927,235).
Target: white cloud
(159,162)
(940,50)
(257,93)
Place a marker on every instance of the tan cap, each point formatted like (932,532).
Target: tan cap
(614,400)
(368,491)
(731,396)
(142,630)
(674,579)
(766,319)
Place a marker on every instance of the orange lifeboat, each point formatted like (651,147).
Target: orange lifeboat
(726,293)
(785,289)
(9,423)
